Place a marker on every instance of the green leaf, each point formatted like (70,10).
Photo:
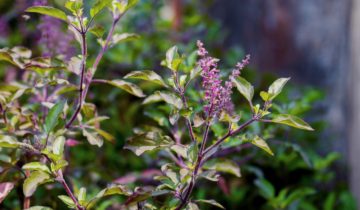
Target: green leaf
(264,95)
(59,164)
(124,37)
(152,98)
(36,166)
(173,59)
(168,170)
(99,5)
(292,121)
(147,142)
(212,202)
(9,142)
(298,194)
(67,200)
(35,179)
(6,56)
(107,136)
(75,6)
(171,98)
(276,87)
(148,76)
(123,5)
(180,150)
(58,146)
(267,190)
(223,165)
(127,86)
(22,52)
(39,208)
(192,206)
(259,142)
(97,30)
(52,118)
(244,87)
(93,138)
(50,11)
(82,195)
(112,190)
(210,175)
(168,97)
(198,121)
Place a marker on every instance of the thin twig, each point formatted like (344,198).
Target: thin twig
(83,68)
(61,179)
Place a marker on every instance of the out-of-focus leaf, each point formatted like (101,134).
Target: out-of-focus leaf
(118,38)
(112,190)
(107,136)
(173,59)
(35,179)
(276,87)
(50,11)
(39,208)
(82,195)
(147,142)
(58,145)
(5,189)
(67,200)
(75,6)
(93,138)
(244,87)
(52,118)
(97,30)
(8,142)
(210,175)
(192,206)
(122,6)
(127,86)
(74,65)
(212,202)
(148,76)
(261,143)
(36,166)
(6,56)
(292,121)
(267,190)
(98,6)
(223,165)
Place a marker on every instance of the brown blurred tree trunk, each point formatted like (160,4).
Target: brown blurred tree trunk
(177,9)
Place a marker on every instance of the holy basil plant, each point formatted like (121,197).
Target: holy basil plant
(38,116)
(197,101)
(47,109)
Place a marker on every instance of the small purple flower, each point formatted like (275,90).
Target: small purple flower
(217,97)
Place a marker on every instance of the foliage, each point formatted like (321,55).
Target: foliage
(46,116)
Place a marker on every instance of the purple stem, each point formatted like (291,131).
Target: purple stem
(203,152)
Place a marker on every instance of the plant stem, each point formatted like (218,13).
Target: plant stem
(61,179)
(100,55)
(181,92)
(83,68)
(191,186)
(203,152)
(230,133)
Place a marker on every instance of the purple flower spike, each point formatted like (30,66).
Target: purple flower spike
(216,96)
